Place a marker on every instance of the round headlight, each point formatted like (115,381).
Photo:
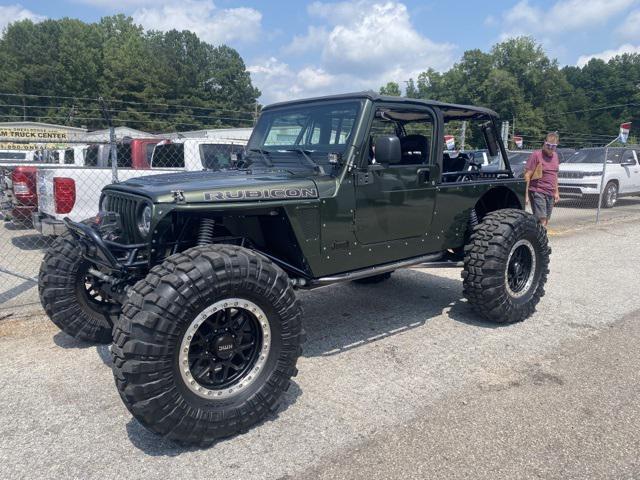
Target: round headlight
(144,220)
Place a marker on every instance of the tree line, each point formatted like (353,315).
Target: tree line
(154,81)
(523,85)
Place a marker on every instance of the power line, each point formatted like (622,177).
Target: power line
(131,102)
(39,117)
(169,114)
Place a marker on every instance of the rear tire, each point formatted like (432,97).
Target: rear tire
(186,323)
(68,297)
(506,265)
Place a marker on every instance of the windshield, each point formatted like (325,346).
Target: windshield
(594,156)
(288,135)
(215,156)
(168,155)
(13,156)
(519,158)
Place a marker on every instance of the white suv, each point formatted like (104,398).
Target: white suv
(580,176)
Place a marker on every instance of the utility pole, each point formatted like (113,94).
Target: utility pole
(255,114)
(513,129)
(505,132)
(112,141)
(463,134)
(24,110)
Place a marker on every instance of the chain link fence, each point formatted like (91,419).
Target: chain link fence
(48,173)
(41,184)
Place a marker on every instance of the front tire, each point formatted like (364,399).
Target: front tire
(207,344)
(506,265)
(610,195)
(69,296)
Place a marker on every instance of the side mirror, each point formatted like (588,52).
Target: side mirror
(490,139)
(388,149)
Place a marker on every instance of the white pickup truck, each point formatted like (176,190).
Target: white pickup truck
(581,175)
(75,192)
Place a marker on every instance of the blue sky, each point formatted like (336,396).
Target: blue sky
(295,48)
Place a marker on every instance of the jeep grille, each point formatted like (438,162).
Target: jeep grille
(127,207)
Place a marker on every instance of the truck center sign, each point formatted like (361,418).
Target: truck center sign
(31,138)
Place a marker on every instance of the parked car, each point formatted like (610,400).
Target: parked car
(18,193)
(74,192)
(518,159)
(581,175)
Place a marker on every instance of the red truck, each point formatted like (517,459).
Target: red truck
(132,153)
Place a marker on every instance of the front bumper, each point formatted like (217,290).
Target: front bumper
(46,225)
(579,189)
(113,256)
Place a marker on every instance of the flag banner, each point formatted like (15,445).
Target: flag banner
(518,141)
(450,142)
(624,132)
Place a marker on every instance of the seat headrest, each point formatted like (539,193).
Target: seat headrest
(415,148)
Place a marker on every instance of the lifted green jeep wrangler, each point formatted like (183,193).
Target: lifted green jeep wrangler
(192,276)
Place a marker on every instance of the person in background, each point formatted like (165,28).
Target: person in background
(541,175)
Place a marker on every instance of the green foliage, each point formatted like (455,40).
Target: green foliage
(520,82)
(391,88)
(146,77)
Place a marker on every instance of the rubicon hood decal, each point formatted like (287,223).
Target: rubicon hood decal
(259,194)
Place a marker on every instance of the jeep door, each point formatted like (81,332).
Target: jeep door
(396,201)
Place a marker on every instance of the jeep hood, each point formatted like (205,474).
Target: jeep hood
(220,186)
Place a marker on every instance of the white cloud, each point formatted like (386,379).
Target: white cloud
(15,13)
(314,39)
(381,37)
(356,45)
(202,17)
(564,15)
(609,54)
(630,28)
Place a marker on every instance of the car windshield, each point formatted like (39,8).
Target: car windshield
(13,156)
(303,135)
(519,158)
(594,156)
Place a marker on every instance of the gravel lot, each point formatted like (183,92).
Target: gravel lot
(386,367)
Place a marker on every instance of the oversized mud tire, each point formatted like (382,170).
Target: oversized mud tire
(506,264)
(207,344)
(68,297)
(374,279)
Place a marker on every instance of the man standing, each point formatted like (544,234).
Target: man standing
(541,175)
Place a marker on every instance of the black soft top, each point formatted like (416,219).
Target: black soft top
(450,111)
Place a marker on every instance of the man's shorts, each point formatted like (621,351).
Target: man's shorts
(541,204)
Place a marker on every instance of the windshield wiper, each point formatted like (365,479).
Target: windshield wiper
(308,159)
(263,154)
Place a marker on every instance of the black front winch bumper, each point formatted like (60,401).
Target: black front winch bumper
(117,257)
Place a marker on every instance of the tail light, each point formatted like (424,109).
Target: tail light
(64,194)
(23,183)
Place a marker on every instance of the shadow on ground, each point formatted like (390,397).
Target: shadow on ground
(33,241)
(155,446)
(408,300)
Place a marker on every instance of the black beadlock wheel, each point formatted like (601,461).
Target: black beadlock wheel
(207,344)
(506,265)
(70,296)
